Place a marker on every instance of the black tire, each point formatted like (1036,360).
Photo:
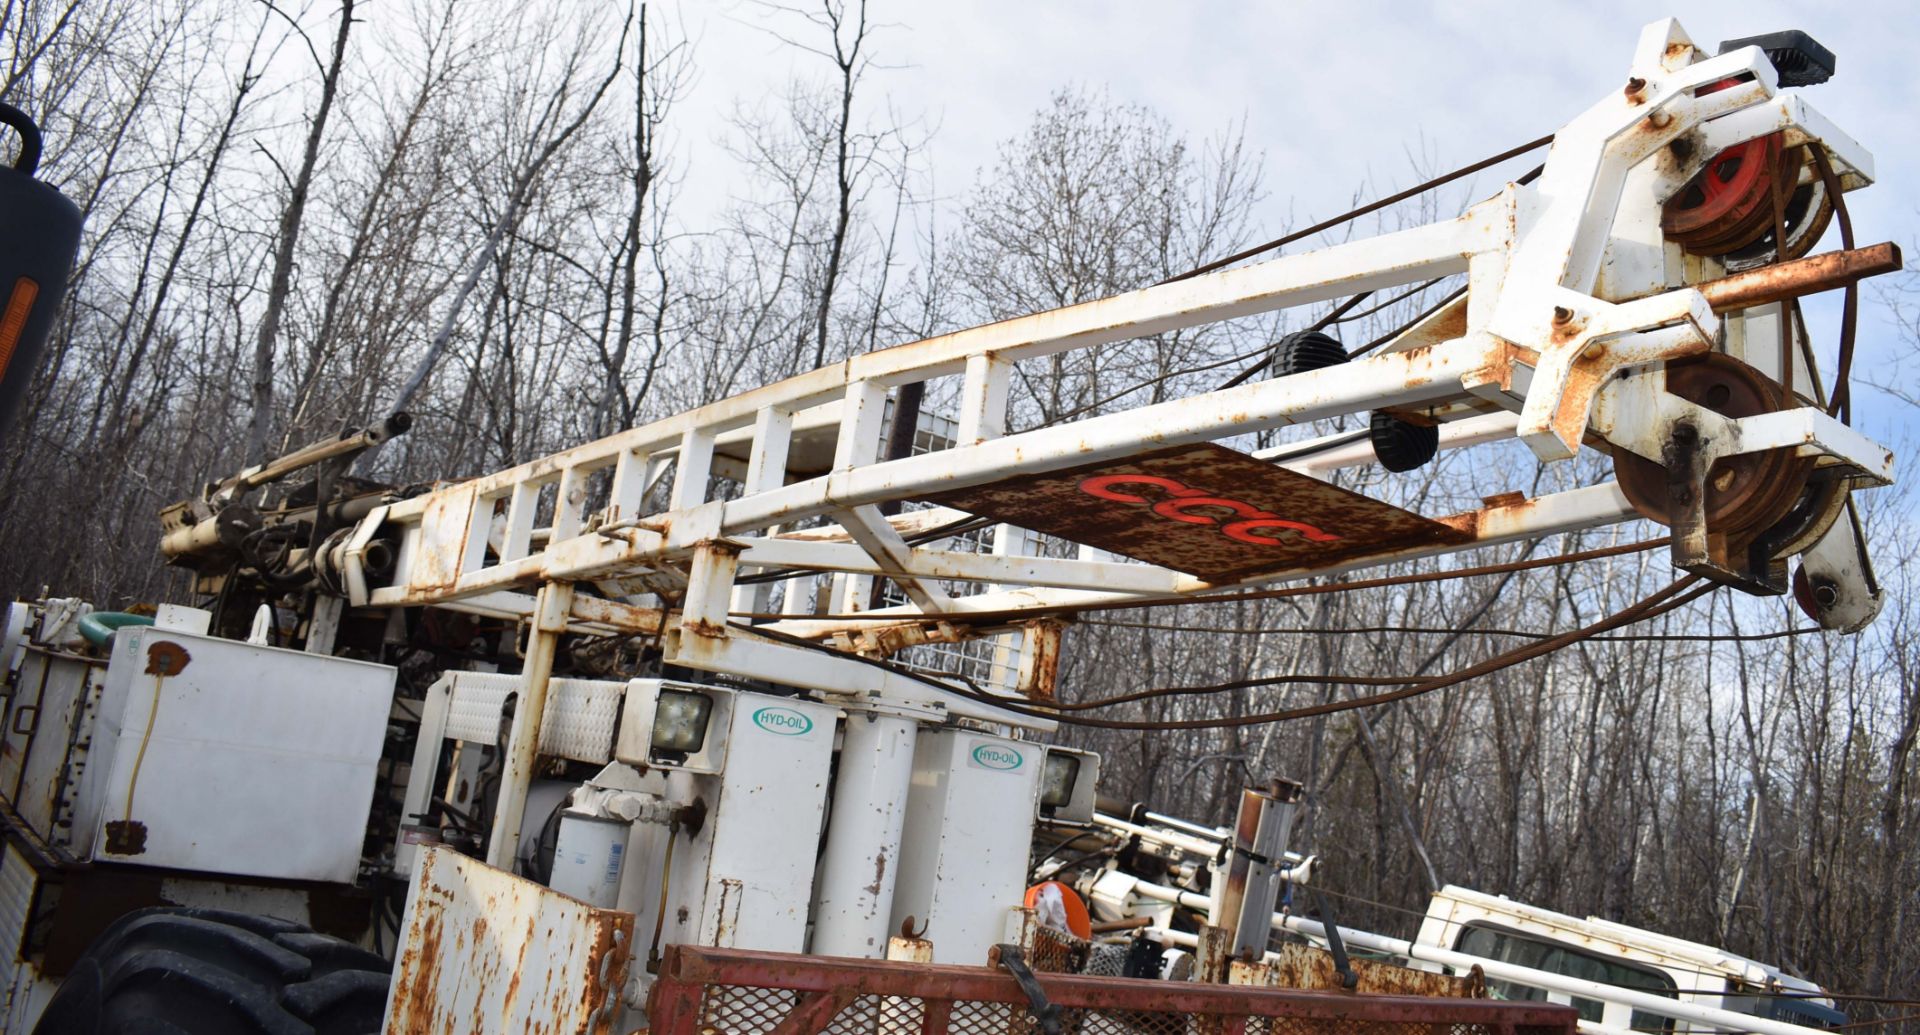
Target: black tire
(1402,446)
(211,972)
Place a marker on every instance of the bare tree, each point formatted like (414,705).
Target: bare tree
(292,215)
(526,174)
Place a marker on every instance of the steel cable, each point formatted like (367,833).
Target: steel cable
(1372,206)
(1658,603)
(1365,630)
(1840,401)
(1411,578)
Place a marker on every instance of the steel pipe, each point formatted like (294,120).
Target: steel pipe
(523,745)
(854,902)
(1645,1001)
(1797,277)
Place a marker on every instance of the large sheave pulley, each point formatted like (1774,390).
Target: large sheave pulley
(1746,495)
(1732,209)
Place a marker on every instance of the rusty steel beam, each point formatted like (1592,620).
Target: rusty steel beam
(1798,277)
(686,969)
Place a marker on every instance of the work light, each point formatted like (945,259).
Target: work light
(1056,780)
(676,726)
(1068,781)
(680,720)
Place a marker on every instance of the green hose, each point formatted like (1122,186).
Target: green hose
(98,626)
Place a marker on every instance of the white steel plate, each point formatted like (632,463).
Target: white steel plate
(963,852)
(746,880)
(485,951)
(249,760)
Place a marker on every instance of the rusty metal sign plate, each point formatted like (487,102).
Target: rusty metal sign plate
(485,951)
(1205,510)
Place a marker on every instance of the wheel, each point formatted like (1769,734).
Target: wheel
(210,972)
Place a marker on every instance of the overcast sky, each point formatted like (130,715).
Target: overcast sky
(1336,94)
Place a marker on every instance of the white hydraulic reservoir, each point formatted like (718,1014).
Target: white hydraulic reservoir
(744,878)
(963,852)
(220,756)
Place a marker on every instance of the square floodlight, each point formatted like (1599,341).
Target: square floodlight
(1056,779)
(680,720)
(1069,780)
(679,726)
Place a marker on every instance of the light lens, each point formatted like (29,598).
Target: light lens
(680,721)
(1056,780)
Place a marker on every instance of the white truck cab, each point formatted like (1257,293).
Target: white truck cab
(1497,928)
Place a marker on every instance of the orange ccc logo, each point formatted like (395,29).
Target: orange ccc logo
(1182,502)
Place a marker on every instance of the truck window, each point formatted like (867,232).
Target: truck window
(1525,950)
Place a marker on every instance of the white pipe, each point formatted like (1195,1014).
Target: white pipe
(1165,837)
(1646,1001)
(1550,982)
(1175,823)
(1190,899)
(1655,1004)
(550,609)
(854,904)
(1196,845)
(1187,941)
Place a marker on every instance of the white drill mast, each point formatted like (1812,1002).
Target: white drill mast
(1574,301)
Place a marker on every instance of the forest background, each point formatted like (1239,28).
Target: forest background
(531,225)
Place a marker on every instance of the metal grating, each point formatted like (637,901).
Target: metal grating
(18,880)
(579,721)
(741,1010)
(580,718)
(746,1011)
(879,1015)
(737,992)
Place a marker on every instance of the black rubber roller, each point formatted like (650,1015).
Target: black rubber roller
(1302,351)
(1401,445)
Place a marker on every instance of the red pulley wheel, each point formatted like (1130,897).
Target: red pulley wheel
(1730,196)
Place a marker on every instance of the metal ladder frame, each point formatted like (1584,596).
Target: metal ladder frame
(1524,355)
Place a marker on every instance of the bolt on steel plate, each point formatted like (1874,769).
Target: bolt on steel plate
(1206,510)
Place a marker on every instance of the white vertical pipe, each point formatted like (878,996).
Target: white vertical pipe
(983,399)
(861,411)
(550,610)
(854,896)
(695,464)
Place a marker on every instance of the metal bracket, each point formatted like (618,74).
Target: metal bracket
(1335,944)
(1589,341)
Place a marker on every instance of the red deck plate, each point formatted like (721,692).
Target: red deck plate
(1205,510)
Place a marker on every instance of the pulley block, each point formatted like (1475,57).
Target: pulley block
(1727,210)
(1745,495)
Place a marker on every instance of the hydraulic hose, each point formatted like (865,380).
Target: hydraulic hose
(98,626)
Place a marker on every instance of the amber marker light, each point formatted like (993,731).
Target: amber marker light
(14,320)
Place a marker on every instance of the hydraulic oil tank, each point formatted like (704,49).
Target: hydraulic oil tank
(39,234)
